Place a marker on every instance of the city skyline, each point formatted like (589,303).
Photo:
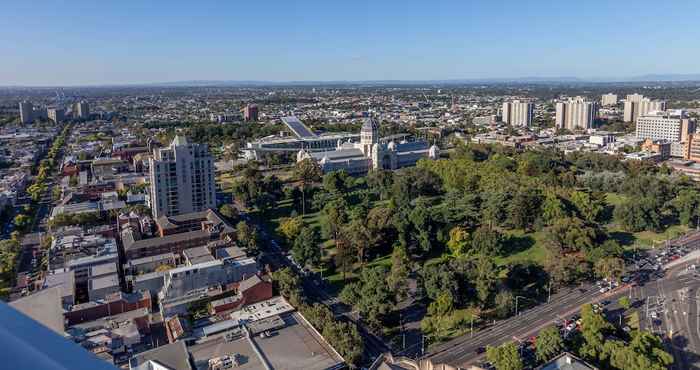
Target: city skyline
(134,43)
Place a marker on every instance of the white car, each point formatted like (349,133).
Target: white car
(604,289)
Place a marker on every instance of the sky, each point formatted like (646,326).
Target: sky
(88,42)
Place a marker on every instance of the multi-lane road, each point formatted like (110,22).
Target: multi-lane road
(682,316)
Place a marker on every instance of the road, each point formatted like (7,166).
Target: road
(462,351)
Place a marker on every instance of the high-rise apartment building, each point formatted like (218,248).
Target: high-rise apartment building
(250,113)
(608,100)
(182,179)
(517,113)
(81,110)
(637,105)
(674,126)
(26,112)
(56,115)
(576,113)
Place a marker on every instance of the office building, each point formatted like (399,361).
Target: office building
(637,105)
(56,115)
(81,110)
(250,113)
(576,113)
(182,179)
(517,113)
(608,100)
(26,112)
(673,126)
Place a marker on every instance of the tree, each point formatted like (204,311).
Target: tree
(371,296)
(344,256)
(229,211)
(360,238)
(570,234)
(287,284)
(399,273)
(504,303)
(485,277)
(610,267)
(505,357)
(460,242)
(437,321)
(290,227)
(549,343)
(247,237)
(625,302)
(487,241)
(334,181)
(639,214)
(380,182)
(588,205)
(21,221)
(306,250)
(687,204)
(438,278)
(593,329)
(524,208)
(307,172)
(553,208)
(333,217)
(423,226)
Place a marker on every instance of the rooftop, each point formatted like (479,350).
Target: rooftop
(173,355)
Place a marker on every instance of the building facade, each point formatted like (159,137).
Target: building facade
(608,100)
(370,153)
(517,113)
(637,105)
(56,115)
(576,113)
(673,126)
(81,110)
(182,179)
(250,113)
(26,112)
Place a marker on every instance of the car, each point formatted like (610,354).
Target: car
(480,350)
(604,289)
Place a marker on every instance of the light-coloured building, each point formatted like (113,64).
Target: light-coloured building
(517,113)
(637,105)
(576,113)
(608,100)
(674,126)
(371,153)
(26,112)
(56,115)
(182,179)
(81,110)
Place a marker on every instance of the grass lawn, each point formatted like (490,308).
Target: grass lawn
(645,239)
(615,199)
(528,247)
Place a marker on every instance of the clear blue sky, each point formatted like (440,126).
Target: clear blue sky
(130,41)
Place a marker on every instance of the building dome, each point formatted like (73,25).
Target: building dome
(370,125)
(302,154)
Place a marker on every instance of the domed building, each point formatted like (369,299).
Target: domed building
(371,153)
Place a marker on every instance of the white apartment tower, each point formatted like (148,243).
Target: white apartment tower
(608,100)
(576,113)
(673,126)
(517,113)
(26,112)
(182,179)
(81,110)
(637,105)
